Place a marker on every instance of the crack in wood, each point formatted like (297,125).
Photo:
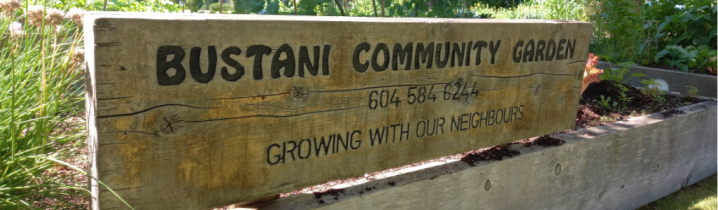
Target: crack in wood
(272,116)
(123,97)
(243,97)
(519,76)
(108,44)
(155,107)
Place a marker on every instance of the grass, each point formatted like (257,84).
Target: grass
(39,73)
(701,195)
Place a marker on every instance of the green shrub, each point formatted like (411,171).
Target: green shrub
(194,5)
(214,7)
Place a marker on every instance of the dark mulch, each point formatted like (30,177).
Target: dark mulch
(637,101)
(545,141)
(493,153)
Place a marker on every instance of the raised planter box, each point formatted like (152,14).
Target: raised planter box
(677,81)
(620,166)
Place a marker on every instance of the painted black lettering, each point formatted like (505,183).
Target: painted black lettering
(441,125)
(325,59)
(358,141)
(176,63)
(376,136)
(478,46)
(344,143)
(258,51)
(539,50)
(423,128)
(322,144)
(196,70)
(381,47)
(520,112)
(431,128)
(570,48)
(478,122)
(439,63)
(499,117)
(238,68)
(468,53)
(464,121)
(457,54)
(288,64)
(550,49)
(402,56)
(494,49)
(517,51)
(278,157)
(424,55)
(454,123)
(360,67)
(309,149)
(402,132)
(304,61)
(529,51)
(560,56)
(291,151)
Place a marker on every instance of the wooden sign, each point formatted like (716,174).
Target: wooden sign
(200,111)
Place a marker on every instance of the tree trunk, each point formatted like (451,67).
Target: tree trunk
(373,3)
(382,9)
(340,7)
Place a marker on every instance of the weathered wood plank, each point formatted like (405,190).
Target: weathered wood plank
(172,134)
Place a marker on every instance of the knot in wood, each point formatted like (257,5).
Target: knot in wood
(170,123)
(298,93)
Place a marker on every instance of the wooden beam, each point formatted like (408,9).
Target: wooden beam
(267,104)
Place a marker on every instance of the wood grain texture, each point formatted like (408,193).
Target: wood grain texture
(624,165)
(208,140)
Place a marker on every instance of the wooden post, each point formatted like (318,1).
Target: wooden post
(220,6)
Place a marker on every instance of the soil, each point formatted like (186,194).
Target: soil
(637,101)
(493,153)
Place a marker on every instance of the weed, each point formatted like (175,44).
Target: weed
(692,91)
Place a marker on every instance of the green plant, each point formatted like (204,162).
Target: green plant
(651,89)
(692,91)
(194,5)
(214,7)
(690,57)
(623,98)
(39,69)
(686,33)
(618,74)
(606,103)
(617,29)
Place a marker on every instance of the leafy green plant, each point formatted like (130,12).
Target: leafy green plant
(194,5)
(607,104)
(687,58)
(651,89)
(618,75)
(623,97)
(617,29)
(214,7)
(40,69)
(692,91)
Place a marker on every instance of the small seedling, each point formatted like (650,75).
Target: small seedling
(692,91)
(652,89)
